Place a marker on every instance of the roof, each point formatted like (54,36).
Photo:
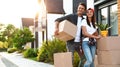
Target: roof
(26,22)
(55,6)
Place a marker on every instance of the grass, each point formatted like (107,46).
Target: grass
(33,58)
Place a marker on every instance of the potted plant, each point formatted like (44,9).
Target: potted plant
(103,29)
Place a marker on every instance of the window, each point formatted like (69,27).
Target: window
(108,14)
(114,20)
(104,15)
(96,0)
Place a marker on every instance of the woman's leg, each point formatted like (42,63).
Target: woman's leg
(93,51)
(87,53)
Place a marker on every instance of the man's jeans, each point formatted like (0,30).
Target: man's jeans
(89,52)
(72,47)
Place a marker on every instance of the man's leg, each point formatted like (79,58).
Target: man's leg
(78,48)
(82,61)
(70,48)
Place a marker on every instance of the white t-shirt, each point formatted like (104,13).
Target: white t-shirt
(90,29)
(77,37)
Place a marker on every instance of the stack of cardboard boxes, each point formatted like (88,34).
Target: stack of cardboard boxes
(67,31)
(108,52)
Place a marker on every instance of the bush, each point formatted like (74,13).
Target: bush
(11,50)
(30,53)
(5,44)
(3,49)
(21,37)
(42,55)
(76,59)
(45,53)
(1,44)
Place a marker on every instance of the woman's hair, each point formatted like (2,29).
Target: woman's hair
(93,18)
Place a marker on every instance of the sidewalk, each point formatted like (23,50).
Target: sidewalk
(1,63)
(16,60)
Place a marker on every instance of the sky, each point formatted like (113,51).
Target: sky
(11,11)
(17,7)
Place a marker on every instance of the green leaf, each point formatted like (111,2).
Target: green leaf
(102,26)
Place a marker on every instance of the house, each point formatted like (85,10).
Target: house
(108,11)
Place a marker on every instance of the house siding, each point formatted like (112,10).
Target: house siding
(118,1)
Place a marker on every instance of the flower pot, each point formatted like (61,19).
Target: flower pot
(104,33)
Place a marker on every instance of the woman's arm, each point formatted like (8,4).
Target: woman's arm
(95,33)
(85,33)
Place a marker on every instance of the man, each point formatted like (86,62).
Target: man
(74,44)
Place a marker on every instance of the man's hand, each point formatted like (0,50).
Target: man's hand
(56,31)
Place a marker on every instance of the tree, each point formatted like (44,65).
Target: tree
(2,38)
(21,37)
(7,33)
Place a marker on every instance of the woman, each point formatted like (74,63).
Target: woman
(89,30)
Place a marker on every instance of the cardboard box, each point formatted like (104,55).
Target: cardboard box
(108,57)
(109,43)
(108,65)
(63,59)
(95,61)
(67,31)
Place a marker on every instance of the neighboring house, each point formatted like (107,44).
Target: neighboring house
(108,11)
(26,22)
(29,23)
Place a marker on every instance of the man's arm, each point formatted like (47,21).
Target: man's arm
(58,20)
(67,17)
(56,28)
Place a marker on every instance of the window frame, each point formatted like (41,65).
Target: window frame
(99,17)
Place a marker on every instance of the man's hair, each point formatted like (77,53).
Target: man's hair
(83,4)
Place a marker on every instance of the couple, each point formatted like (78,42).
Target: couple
(85,26)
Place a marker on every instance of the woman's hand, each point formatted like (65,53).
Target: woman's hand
(98,37)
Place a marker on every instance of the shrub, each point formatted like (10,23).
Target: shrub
(1,44)
(11,50)
(76,59)
(5,44)
(45,53)
(42,55)
(30,53)
(21,37)
(47,50)
(3,49)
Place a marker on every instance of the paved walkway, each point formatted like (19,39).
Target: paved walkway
(16,60)
(1,63)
